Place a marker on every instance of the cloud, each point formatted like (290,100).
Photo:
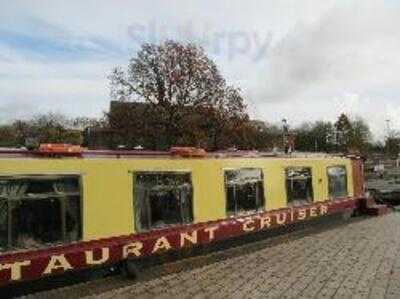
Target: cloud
(349,47)
(15,109)
(48,68)
(50,42)
(73,88)
(303,60)
(349,53)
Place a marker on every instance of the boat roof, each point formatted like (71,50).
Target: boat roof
(134,154)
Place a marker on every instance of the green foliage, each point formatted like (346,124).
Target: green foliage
(392,147)
(344,133)
(8,136)
(316,136)
(361,135)
(44,128)
(343,136)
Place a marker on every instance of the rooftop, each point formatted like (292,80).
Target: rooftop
(186,152)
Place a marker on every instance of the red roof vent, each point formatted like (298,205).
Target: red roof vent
(187,151)
(56,149)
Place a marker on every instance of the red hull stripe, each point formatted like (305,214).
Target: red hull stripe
(29,265)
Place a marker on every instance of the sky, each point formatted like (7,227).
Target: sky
(300,60)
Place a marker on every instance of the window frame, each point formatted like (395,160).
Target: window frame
(302,202)
(347,181)
(134,175)
(63,209)
(262,206)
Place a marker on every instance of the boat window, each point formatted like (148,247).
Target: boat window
(244,190)
(162,199)
(36,211)
(3,224)
(299,188)
(337,181)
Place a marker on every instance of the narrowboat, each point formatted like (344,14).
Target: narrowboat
(64,208)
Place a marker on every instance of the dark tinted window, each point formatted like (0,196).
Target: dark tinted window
(3,224)
(162,199)
(39,210)
(244,190)
(337,181)
(299,188)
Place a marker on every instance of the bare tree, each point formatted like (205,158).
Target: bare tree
(46,128)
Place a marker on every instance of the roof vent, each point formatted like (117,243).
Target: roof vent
(187,151)
(59,149)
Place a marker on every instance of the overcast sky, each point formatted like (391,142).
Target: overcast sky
(300,60)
